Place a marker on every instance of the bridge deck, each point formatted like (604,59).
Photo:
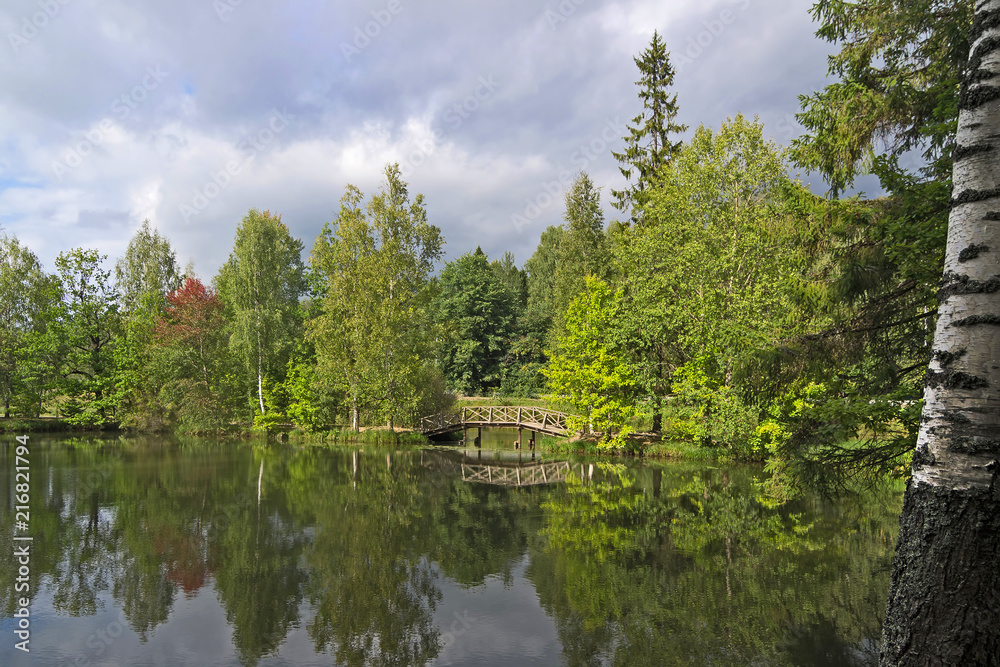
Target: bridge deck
(531,418)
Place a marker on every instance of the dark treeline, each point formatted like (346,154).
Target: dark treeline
(730,307)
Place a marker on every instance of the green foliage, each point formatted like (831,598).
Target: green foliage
(515,281)
(704,410)
(260,285)
(191,366)
(525,358)
(541,269)
(147,271)
(898,67)
(873,270)
(589,368)
(582,250)
(375,328)
(709,270)
(821,440)
(478,312)
(85,329)
(27,296)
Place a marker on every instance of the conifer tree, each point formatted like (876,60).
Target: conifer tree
(648,145)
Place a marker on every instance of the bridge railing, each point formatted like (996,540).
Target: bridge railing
(529,417)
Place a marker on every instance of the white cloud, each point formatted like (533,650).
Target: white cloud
(478,163)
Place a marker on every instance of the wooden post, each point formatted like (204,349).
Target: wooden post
(479,436)
(517,445)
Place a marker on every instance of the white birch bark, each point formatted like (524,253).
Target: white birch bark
(942,607)
(961,417)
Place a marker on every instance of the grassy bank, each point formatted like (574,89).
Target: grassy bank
(371,436)
(47,425)
(644,447)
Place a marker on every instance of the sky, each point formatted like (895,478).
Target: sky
(191,112)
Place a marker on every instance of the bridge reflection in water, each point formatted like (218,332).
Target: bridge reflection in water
(498,467)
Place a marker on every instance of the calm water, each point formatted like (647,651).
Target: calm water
(162,552)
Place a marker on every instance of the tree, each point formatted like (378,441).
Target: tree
(25,292)
(590,367)
(191,354)
(541,270)
(479,311)
(143,277)
(87,328)
(582,250)
(260,285)
(374,331)
(871,265)
(649,145)
(702,273)
(515,281)
(942,606)
(897,88)
(147,271)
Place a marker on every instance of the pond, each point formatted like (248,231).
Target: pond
(149,551)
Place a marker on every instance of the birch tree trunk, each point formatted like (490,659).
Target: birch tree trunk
(944,601)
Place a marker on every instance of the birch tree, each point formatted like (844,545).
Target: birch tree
(260,285)
(376,260)
(147,271)
(582,248)
(943,602)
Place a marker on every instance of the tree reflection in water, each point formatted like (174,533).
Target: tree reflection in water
(635,564)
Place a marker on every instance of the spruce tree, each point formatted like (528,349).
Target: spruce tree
(648,145)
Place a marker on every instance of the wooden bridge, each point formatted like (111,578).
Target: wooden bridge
(539,420)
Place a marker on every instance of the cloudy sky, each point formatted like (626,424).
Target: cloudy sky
(191,112)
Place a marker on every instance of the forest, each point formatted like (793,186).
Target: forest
(729,307)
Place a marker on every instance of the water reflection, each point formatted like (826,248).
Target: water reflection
(235,554)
